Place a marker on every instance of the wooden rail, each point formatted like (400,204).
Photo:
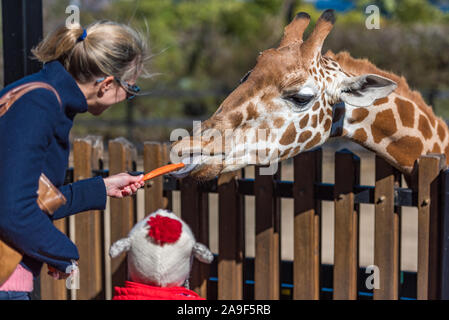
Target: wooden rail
(99,276)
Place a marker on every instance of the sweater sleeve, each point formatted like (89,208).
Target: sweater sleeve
(83,195)
(26,131)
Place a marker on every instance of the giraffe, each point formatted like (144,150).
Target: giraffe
(295,99)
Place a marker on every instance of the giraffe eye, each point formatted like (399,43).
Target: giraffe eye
(300,100)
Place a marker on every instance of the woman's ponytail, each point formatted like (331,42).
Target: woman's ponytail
(108,49)
(58,44)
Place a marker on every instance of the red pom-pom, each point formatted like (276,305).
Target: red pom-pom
(164,229)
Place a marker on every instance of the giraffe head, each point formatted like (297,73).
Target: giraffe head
(282,107)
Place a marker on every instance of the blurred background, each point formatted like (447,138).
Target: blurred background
(202,48)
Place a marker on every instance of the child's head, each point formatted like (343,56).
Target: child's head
(160,250)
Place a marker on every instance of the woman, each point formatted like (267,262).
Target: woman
(91,69)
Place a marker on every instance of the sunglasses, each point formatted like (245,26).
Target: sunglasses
(131,90)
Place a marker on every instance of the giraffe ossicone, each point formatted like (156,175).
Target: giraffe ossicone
(295,99)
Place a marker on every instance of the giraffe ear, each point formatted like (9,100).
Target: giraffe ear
(363,90)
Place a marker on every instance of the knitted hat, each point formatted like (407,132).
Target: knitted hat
(160,250)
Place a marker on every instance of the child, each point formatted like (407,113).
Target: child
(160,250)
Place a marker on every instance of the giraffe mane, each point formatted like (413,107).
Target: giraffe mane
(362,66)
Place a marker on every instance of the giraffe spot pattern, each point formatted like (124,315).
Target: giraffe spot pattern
(383,126)
(304,121)
(358,115)
(321,115)
(406,112)
(380,101)
(441,132)
(314,121)
(236,119)
(405,150)
(252,112)
(278,122)
(316,139)
(327,124)
(304,136)
(289,135)
(436,149)
(316,106)
(424,127)
(360,135)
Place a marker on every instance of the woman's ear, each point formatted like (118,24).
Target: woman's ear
(105,85)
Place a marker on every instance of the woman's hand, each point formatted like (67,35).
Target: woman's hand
(122,185)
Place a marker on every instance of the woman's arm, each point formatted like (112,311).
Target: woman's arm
(26,131)
(90,194)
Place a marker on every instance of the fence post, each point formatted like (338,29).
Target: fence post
(231,242)
(87,154)
(346,226)
(122,156)
(153,158)
(266,263)
(386,232)
(444,215)
(429,244)
(306,264)
(52,289)
(195,212)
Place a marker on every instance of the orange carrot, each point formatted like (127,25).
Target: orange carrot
(163,170)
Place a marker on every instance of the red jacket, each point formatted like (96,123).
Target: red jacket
(138,291)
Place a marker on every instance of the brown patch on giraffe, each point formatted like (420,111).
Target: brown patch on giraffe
(304,121)
(289,135)
(360,135)
(321,115)
(252,112)
(327,124)
(303,137)
(316,139)
(285,153)
(446,152)
(406,112)
(314,71)
(328,79)
(322,73)
(428,112)
(316,106)
(380,101)
(314,120)
(358,115)
(329,112)
(441,132)
(383,126)
(424,127)
(278,122)
(339,112)
(405,150)
(436,149)
(236,119)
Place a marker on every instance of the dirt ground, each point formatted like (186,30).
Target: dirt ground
(409,231)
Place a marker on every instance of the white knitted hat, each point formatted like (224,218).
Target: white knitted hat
(160,250)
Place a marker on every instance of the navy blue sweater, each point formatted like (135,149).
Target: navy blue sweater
(34,138)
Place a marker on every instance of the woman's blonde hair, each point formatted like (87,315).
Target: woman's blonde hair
(109,49)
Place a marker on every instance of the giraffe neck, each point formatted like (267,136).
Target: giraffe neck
(396,128)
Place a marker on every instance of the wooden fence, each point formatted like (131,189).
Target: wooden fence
(232,276)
